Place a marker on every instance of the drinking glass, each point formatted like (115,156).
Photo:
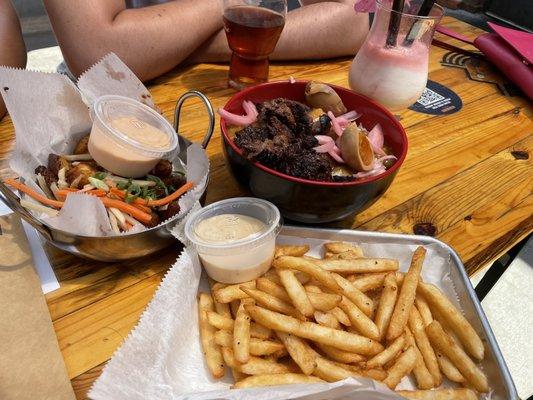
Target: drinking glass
(253,28)
(392,65)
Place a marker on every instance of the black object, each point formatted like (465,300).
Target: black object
(394,22)
(303,200)
(424,11)
(437,100)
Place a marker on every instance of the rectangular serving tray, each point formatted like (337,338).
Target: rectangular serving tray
(493,364)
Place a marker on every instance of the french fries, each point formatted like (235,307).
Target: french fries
(447,346)
(358,265)
(406,298)
(309,330)
(275,379)
(310,320)
(296,292)
(299,351)
(287,250)
(416,326)
(454,319)
(402,366)
(440,394)
(241,335)
(212,353)
(386,304)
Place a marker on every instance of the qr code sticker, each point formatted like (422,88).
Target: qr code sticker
(429,97)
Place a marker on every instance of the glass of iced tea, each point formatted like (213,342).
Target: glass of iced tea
(253,28)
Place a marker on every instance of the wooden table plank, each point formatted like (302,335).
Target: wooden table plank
(459,175)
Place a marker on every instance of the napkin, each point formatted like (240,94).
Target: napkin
(162,357)
(31,366)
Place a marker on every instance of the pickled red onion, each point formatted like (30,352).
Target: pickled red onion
(324,148)
(372,172)
(335,124)
(243,120)
(350,115)
(323,139)
(377,140)
(327,145)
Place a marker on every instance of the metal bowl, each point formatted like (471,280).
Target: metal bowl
(123,247)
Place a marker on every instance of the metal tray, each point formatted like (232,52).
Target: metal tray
(493,364)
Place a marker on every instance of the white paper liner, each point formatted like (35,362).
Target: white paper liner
(50,117)
(162,358)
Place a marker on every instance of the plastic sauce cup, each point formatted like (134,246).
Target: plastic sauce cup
(128,138)
(237,261)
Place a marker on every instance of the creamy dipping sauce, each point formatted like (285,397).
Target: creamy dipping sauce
(235,266)
(124,160)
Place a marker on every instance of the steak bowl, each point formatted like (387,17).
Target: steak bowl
(304,200)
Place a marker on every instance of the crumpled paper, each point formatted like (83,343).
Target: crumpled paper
(162,357)
(50,116)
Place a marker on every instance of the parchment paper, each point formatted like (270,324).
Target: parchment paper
(31,366)
(162,358)
(50,116)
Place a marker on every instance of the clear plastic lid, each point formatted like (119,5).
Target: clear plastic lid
(109,108)
(263,210)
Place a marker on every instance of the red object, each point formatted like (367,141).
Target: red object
(508,49)
(305,200)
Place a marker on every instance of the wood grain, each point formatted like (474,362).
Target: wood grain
(460,176)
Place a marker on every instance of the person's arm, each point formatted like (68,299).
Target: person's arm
(150,40)
(12,49)
(318,31)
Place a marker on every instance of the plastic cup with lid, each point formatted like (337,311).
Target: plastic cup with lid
(228,255)
(128,138)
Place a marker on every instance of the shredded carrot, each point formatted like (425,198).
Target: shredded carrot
(171,197)
(127,208)
(69,189)
(142,208)
(33,194)
(93,192)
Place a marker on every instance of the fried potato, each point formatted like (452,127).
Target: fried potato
(299,351)
(341,316)
(287,250)
(386,304)
(324,301)
(238,375)
(327,319)
(312,331)
(403,365)
(340,355)
(367,282)
(448,369)
(258,347)
(406,297)
(416,325)
(271,302)
(443,343)
(234,306)
(423,308)
(359,320)
(268,286)
(218,321)
(309,268)
(358,265)
(424,379)
(392,350)
(241,334)
(330,372)
(232,292)
(255,365)
(296,292)
(454,319)
(372,373)
(439,394)
(343,247)
(275,379)
(361,300)
(259,331)
(211,350)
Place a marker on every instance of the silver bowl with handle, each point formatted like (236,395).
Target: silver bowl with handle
(120,247)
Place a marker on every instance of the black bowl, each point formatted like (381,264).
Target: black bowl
(305,200)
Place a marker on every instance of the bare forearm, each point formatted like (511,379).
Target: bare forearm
(151,40)
(317,31)
(12,49)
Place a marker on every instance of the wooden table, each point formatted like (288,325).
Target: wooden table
(468,174)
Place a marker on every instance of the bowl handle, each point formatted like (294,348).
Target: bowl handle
(13,202)
(210,113)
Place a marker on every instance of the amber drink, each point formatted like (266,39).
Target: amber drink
(252,33)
